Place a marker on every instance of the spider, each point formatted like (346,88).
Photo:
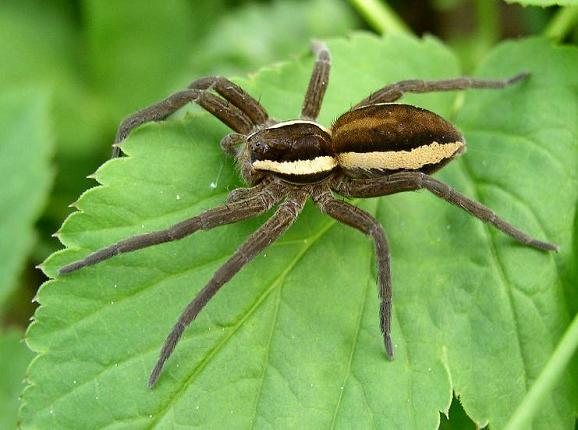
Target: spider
(377,148)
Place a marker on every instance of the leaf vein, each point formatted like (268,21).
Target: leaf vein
(197,370)
(266,360)
(499,269)
(352,353)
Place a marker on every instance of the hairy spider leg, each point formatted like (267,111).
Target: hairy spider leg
(258,241)
(262,200)
(317,83)
(232,116)
(411,181)
(240,194)
(235,95)
(364,222)
(236,109)
(393,92)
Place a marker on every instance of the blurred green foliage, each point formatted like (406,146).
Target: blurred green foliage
(14,358)
(24,113)
(93,62)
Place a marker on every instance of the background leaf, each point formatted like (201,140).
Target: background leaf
(293,340)
(236,42)
(131,68)
(41,45)
(25,150)
(14,359)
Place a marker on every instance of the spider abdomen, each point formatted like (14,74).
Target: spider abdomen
(387,138)
(297,151)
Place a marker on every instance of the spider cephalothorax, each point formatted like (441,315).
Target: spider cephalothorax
(375,149)
(297,151)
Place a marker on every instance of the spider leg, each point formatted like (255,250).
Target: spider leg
(373,187)
(318,82)
(236,95)
(393,92)
(364,222)
(259,240)
(260,202)
(409,181)
(241,194)
(229,114)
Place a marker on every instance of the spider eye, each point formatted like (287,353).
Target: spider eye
(260,146)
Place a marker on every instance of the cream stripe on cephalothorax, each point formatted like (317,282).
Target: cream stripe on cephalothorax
(306,144)
(299,167)
(395,160)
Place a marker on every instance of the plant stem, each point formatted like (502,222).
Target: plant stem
(488,17)
(554,368)
(562,23)
(381,16)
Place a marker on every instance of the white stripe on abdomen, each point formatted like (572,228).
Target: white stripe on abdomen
(393,160)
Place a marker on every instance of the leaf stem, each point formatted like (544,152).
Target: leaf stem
(562,23)
(381,16)
(523,415)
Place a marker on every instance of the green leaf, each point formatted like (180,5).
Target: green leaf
(25,149)
(550,375)
(14,359)
(544,3)
(293,340)
(537,304)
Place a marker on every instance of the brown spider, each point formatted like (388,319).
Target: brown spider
(375,149)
